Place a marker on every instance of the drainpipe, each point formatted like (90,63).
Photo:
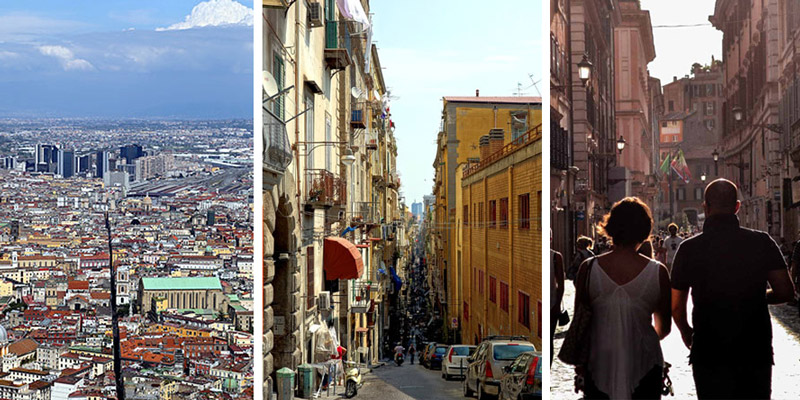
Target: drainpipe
(297,139)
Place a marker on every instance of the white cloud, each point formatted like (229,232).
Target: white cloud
(66,57)
(215,13)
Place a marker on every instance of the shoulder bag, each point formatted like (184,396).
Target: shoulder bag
(575,348)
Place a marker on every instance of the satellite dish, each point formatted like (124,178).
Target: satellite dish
(269,85)
(357,92)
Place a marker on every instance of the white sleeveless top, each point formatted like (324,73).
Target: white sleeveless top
(624,343)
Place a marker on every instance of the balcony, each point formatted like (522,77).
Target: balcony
(365,213)
(393,181)
(337,52)
(324,189)
(360,294)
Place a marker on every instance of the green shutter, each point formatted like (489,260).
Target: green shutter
(278,72)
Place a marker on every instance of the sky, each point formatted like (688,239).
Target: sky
(678,48)
(126,59)
(431,49)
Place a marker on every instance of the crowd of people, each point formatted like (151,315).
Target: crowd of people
(637,284)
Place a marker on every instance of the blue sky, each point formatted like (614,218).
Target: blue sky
(129,58)
(673,57)
(432,49)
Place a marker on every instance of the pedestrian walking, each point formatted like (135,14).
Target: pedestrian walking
(582,254)
(726,268)
(412,349)
(661,251)
(556,290)
(671,244)
(629,295)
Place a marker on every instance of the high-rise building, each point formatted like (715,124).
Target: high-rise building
(82,163)
(46,156)
(102,164)
(131,152)
(416,209)
(66,163)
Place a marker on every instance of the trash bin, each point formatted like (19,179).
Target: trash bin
(305,381)
(285,383)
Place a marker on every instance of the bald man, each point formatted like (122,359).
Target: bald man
(727,269)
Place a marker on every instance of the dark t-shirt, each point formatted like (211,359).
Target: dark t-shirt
(726,268)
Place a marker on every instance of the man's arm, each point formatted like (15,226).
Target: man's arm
(781,288)
(679,314)
(663,320)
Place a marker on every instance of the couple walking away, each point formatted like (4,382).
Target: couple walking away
(625,303)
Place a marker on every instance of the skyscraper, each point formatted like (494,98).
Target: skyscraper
(130,152)
(66,163)
(101,163)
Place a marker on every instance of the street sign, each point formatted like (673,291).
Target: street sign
(454,323)
(580,215)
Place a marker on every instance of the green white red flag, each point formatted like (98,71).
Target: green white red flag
(680,167)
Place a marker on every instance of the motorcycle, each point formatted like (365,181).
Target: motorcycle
(398,359)
(352,377)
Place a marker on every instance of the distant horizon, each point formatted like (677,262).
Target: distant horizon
(143,59)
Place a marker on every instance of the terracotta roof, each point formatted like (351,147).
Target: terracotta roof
(23,346)
(78,285)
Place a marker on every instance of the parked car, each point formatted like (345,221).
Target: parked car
(523,378)
(455,360)
(485,368)
(426,352)
(437,355)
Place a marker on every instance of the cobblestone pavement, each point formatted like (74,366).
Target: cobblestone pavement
(785,374)
(406,382)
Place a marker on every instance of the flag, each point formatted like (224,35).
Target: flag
(665,165)
(681,168)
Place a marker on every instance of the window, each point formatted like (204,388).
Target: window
(504,212)
(524,308)
(681,194)
(466,215)
(492,289)
(492,213)
(671,108)
(698,193)
(539,210)
(503,296)
(519,123)
(664,124)
(524,205)
(481,220)
(309,104)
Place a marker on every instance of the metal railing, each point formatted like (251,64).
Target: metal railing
(515,145)
(325,188)
(366,212)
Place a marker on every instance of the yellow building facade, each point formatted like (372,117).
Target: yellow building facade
(465,120)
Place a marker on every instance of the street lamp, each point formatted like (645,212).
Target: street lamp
(715,155)
(703,177)
(620,144)
(585,69)
(737,113)
(348,158)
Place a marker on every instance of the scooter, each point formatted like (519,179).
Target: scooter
(398,359)
(352,377)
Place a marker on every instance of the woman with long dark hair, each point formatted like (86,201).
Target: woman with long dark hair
(626,290)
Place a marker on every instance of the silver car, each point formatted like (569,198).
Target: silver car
(485,369)
(455,360)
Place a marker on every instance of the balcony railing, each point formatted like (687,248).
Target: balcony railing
(515,145)
(324,188)
(366,213)
(358,117)
(393,180)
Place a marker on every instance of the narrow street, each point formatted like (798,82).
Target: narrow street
(391,382)
(786,344)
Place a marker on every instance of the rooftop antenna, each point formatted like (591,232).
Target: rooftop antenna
(533,83)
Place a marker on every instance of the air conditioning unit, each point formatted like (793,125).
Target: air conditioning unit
(314,14)
(324,301)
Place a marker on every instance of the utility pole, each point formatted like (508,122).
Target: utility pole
(120,383)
